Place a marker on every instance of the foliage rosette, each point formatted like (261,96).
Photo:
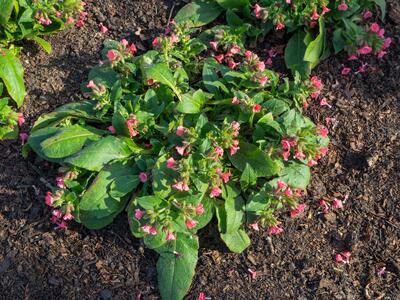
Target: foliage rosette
(176,136)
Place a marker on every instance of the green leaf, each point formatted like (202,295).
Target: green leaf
(234,208)
(162,73)
(338,41)
(382,6)
(97,208)
(258,202)
(198,13)
(236,241)
(103,75)
(191,103)
(149,202)
(176,266)
(163,178)
(292,121)
(67,141)
(98,154)
(261,163)
(124,185)
(315,48)
(12,73)
(276,106)
(294,54)
(232,4)
(248,178)
(296,175)
(6,8)
(43,43)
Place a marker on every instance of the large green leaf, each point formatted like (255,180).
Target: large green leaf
(12,73)
(261,163)
(294,54)
(176,266)
(315,48)
(234,208)
(296,175)
(198,13)
(248,178)
(162,73)
(6,8)
(382,6)
(191,103)
(236,241)
(97,207)
(98,154)
(163,178)
(67,141)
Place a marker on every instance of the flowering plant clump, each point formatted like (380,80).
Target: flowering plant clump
(175,137)
(317,27)
(27,20)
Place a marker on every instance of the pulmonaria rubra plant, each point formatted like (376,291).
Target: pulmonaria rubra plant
(175,138)
(22,19)
(317,27)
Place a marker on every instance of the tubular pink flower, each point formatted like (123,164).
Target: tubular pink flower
(181,186)
(235,49)
(170,163)
(325,10)
(170,237)
(143,177)
(214,45)
(60,182)
(364,50)
(345,71)
(311,163)
(256,108)
(235,101)
(138,214)
(281,185)
(343,6)
(337,204)
(226,176)
(260,66)
(219,151)
(374,28)
(219,58)
(279,26)
(49,200)
(111,129)
(367,14)
(275,230)
(68,217)
(297,211)
(190,224)
(299,155)
(323,131)
(324,102)
(180,131)
(215,192)
(23,136)
(286,155)
(112,55)
(102,28)
(21,119)
(257,11)
(199,209)
(255,226)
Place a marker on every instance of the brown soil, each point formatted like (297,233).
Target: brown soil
(37,262)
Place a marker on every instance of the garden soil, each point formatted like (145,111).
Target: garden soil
(38,262)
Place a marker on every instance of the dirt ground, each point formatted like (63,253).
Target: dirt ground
(37,262)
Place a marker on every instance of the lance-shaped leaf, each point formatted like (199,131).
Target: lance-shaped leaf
(296,175)
(162,73)
(191,103)
(176,266)
(98,154)
(198,13)
(12,73)
(294,54)
(6,8)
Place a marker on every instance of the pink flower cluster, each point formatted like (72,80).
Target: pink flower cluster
(335,203)
(131,124)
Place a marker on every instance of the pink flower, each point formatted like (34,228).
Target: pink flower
(149,229)
(58,14)
(289,192)
(180,131)
(275,230)
(91,85)
(269,62)
(257,11)
(124,42)
(235,49)
(343,257)
(132,49)
(285,143)
(170,237)
(381,54)
(381,271)
(279,26)
(60,182)
(343,6)
(260,66)
(281,185)
(235,101)
(214,45)
(174,39)
(143,177)
(112,55)
(337,204)
(255,226)
(338,258)
(23,136)
(324,206)
(232,64)
(131,123)
(70,20)
(353,57)
(325,10)
(138,214)
(219,151)
(190,224)
(374,28)
(345,71)
(367,14)
(111,129)
(315,16)
(256,108)
(324,102)
(215,192)
(317,83)
(263,80)
(170,163)
(387,43)
(286,155)
(181,150)
(219,58)
(57,213)
(299,155)
(364,50)
(199,209)
(49,200)
(21,119)
(68,217)
(323,131)
(202,296)
(297,211)
(311,163)
(235,147)
(248,54)
(155,42)
(253,274)
(226,176)
(381,33)
(103,29)
(62,225)
(181,186)
(323,151)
